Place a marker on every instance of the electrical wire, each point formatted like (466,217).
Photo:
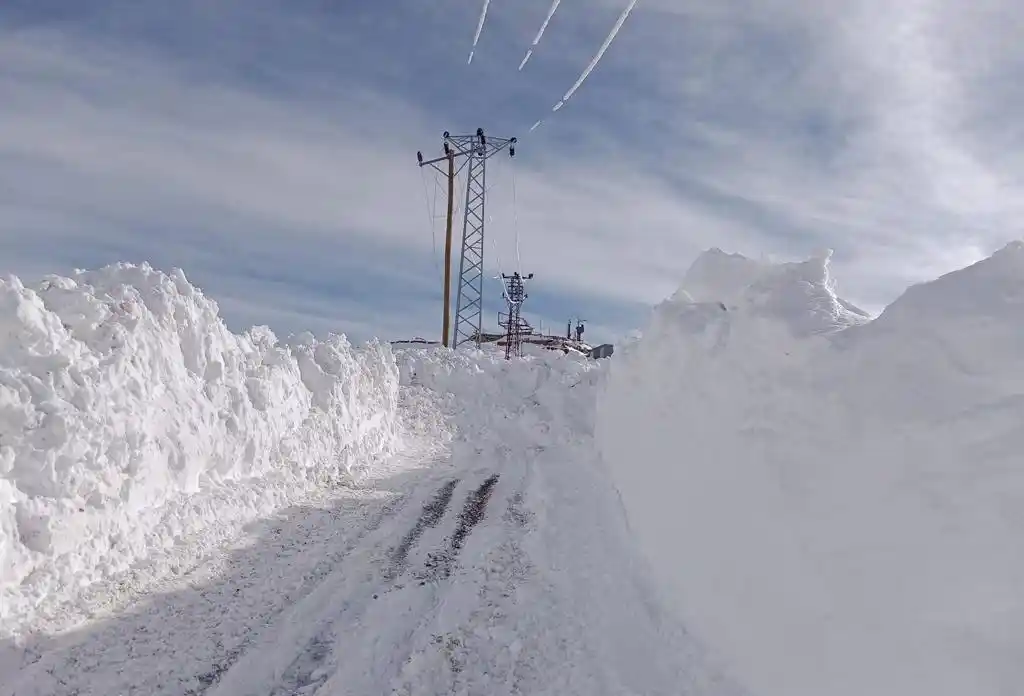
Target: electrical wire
(540,33)
(479,29)
(501,276)
(515,218)
(457,206)
(431,217)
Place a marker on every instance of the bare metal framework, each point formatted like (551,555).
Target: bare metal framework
(513,323)
(476,149)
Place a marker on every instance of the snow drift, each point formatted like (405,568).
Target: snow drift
(130,416)
(835,504)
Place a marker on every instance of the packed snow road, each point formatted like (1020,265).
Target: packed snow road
(496,562)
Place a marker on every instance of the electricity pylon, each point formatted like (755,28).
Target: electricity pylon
(512,322)
(475,150)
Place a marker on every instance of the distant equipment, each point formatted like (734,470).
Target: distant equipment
(474,151)
(580,328)
(512,321)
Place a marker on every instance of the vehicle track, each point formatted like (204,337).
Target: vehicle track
(170,643)
(432,514)
(341,597)
(306,669)
(439,564)
(379,624)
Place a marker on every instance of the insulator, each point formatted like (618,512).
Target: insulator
(419,157)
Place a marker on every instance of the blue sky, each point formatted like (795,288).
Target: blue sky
(268,147)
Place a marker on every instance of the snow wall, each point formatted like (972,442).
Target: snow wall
(489,402)
(834,504)
(130,416)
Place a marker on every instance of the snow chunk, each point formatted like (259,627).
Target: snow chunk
(130,416)
(799,295)
(716,276)
(833,503)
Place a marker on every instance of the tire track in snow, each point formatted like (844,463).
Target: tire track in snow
(433,513)
(188,632)
(379,637)
(296,657)
(312,581)
(462,642)
(306,671)
(441,563)
(315,662)
(445,652)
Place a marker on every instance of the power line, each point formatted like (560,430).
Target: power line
(431,217)
(540,32)
(479,29)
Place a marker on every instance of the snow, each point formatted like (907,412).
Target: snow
(307,517)
(833,504)
(540,32)
(488,555)
(131,417)
(552,598)
(479,29)
(764,492)
(597,56)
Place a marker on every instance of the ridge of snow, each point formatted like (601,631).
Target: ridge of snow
(834,503)
(991,287)
(131,417)
(801,294)
(716,275)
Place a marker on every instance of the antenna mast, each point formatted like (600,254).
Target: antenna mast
(475,150)
(515,326)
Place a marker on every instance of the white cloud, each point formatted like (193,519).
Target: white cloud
(102,153)
(885,131)
(899,177)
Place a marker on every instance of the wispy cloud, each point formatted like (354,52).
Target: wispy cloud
(846,124)
(266,145)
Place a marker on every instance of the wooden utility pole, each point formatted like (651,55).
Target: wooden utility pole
(448,247)
(449,154)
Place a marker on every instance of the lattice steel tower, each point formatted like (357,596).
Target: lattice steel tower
(476,149)
(470,294)
(515,326)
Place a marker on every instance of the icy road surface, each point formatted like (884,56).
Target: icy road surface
(490,556)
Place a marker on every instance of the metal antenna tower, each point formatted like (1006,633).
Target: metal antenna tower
(515,326)
(470,296)
(476,149)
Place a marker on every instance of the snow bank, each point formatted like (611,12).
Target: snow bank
(482,379)
(837,505)
(130,416)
